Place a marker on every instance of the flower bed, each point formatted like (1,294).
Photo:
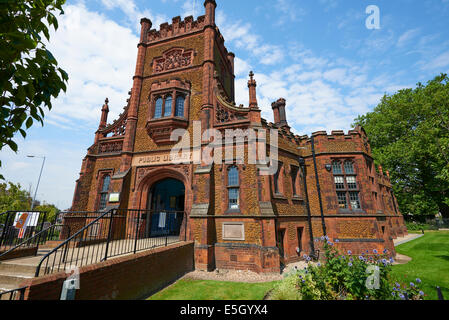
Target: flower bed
(345,277)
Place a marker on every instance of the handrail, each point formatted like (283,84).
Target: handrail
(69,239)
(33,237)
(11,293)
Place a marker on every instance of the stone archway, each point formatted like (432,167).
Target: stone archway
(147,177)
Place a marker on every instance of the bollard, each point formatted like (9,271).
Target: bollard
(440,294)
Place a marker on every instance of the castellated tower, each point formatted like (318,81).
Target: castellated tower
(238,217)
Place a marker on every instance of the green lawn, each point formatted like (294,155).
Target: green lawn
(430,263)
(213,290)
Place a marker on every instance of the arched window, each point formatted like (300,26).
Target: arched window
(179,109)
(168,105)
(158,108)
(104,192)
(233,187)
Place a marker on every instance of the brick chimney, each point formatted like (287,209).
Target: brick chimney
(280,118)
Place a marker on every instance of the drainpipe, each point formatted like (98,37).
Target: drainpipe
(318,186)
(302,163)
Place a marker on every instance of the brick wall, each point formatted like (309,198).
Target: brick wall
(130,277)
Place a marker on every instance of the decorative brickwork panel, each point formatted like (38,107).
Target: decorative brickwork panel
(355,230)
(173,59)
(179,52)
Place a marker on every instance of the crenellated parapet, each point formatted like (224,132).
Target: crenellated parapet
(177,28)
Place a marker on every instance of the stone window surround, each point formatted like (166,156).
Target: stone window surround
(229,210)
(346,190)
(101,174)
(280,182)
(174,93)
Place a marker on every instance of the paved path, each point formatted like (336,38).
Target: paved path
(407,238)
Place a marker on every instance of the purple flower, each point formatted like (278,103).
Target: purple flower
(412,284)
(361,258)
(418,280)
(349,252)
(330,243)
(350,264)
(326,237)
(322,237)
(336,240)
(385,251)
(401,296)
(397,285)
(421,293)
(375,251)
(393,294)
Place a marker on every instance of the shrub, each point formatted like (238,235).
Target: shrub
(345,277)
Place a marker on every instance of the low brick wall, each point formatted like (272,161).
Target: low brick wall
(129,277)
(18,253)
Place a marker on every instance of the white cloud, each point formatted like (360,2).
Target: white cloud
(437,63)
(99,56)
(407,36)
(242,36)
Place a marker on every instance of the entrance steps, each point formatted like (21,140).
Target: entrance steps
(15,271)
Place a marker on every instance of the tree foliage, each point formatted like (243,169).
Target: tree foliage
(409,136)
(29,73)
(13,198)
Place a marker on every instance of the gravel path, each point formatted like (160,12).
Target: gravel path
(252,277)
(242,276)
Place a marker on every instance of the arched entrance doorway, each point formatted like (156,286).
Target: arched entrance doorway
(166,204)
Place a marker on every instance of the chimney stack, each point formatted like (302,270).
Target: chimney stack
(280,118)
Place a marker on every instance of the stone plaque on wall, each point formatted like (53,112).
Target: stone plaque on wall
(234,231)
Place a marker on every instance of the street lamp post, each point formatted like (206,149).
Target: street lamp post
(40,174)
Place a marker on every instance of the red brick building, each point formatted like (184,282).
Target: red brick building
(238,217)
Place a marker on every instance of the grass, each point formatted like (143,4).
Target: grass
(187,289)
(430,263)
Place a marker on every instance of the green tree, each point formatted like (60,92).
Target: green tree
(409,135)
(51,210)
(13,198)
(29,73)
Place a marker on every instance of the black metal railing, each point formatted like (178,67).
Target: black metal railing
(16,294)
(51,233)
(10,236)
(113,233)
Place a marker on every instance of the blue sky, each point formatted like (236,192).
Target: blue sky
(317,54)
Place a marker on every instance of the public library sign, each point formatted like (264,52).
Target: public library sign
(162,159)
